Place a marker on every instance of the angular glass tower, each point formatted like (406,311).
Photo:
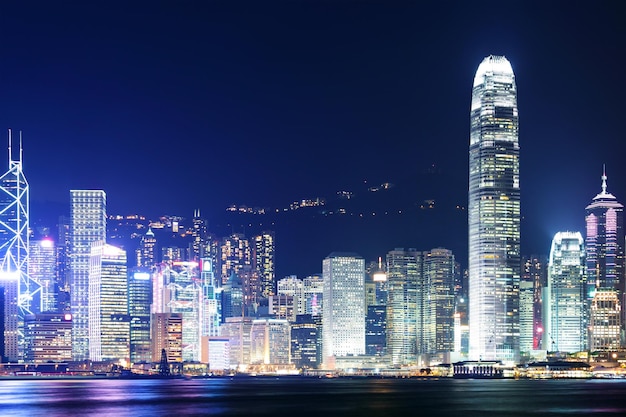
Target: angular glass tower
(565,324)
(494,213)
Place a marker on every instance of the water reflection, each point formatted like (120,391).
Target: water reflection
(311,397)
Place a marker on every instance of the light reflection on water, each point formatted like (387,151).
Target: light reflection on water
(300,397)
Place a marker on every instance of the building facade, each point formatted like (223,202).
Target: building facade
(343,314)
(88,225)
(604,243)
(404,268)
(565,302)
(109,323)
(494,213)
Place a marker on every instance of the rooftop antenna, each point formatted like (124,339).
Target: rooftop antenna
(603,178)
(9,146)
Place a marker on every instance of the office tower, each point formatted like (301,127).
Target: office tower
(18,287)
(237,330)
(533,280)
(199,237)
(139,304)
(88,225)
(146,251)
(109,324)
(404,268)
(436,302)
(494,213)
(565,325)
(63,264)
(264,245)
(526,316)
(376,330)
(184,288)
(167,333)
(232,298)
(47,337)
(344,306)
(376,314)
(314,294)
(604,323)
(218,354)
(42,270)
(604,245)
(270,342)
(305,337)
(210,308)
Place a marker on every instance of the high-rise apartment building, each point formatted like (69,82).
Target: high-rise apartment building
(343,314)
(88,225)
(109,323)
(494,213)
(604,243)
(565,302)
(264,262)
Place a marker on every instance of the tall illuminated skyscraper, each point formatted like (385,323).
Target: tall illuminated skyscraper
(565,324)
(15,283)
(343,315)
(264,262)
(404,271)
(604,242)
(88,225)
(494,213)
(109,323)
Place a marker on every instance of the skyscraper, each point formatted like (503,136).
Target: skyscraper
(109,323)
(565,324)
(343,315)
(604,244)
(437,301)
(88,225)
(404,268)
(494,213)
(17,286)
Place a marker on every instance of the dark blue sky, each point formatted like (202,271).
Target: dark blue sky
(171,106)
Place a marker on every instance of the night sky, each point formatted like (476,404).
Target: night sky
(173,106)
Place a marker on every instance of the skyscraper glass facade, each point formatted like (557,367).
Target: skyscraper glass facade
(494,213)
(565,324)
(604,242)
(343,314)
(88,225)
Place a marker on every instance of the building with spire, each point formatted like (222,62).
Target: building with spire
(494,213)
(17,288)
(604,243)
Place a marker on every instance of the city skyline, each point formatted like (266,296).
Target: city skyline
(207,105)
